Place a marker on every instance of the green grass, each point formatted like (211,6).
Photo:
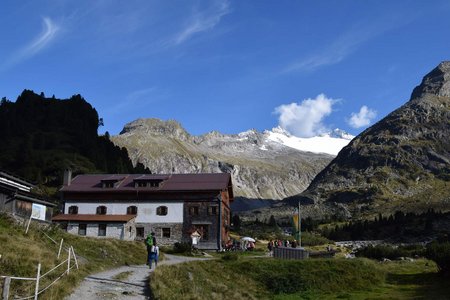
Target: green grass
(263,278)
(258,278)
(404,280)
(22,252)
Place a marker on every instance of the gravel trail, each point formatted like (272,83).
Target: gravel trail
(134,287)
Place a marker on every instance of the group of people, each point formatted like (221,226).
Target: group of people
(279,243)
(152,250)
(234,245)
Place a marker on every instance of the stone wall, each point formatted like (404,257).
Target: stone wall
(194,222)
(175,232)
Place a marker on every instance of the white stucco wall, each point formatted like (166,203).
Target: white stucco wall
(114,230)
(146,211)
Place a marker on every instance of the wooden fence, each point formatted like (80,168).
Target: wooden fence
(67,264)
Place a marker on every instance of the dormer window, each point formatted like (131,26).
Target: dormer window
(112,181)
(141,184)
(154,183)
(149,181)
(101,210)
(108,184)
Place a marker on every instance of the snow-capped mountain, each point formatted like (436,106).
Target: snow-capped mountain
(266,165)
(330,143)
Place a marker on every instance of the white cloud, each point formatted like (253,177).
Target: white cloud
(46,36)
(202,21)
(305,119)
(49,32)
(346,44)
(363,118)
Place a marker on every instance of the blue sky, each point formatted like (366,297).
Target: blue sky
(308,66)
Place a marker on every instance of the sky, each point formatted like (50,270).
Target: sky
(230,66)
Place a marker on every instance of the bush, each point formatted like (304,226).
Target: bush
(385,251)
(440,254)
(181,247)
(314,239)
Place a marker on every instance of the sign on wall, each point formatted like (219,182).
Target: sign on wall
(38,211)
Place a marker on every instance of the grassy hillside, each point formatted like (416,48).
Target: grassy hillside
(21,253)
(262,278)
(267,278)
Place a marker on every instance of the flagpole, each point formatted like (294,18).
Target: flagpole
(299,227)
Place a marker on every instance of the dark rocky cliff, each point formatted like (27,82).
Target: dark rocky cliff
(400,163)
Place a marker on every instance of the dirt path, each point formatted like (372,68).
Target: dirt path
(135,286)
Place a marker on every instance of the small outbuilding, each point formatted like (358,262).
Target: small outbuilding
(18,199)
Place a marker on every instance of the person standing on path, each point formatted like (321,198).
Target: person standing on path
(150,242)
(154,255)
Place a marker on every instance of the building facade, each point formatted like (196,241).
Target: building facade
(173,206)
(17,199)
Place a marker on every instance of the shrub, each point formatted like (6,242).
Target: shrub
(181,247)
(440,254)
(390,252)
(314,239)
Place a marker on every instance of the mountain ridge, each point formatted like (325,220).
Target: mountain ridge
(261,168)
(400,163)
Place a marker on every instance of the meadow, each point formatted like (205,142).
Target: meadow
(235,276)
(21,253)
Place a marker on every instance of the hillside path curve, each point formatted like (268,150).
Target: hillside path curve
(135,287)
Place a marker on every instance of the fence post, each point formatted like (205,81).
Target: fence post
(60,247)
(68,263)
(29,222)
(6,285)
(37,282)
(74,257)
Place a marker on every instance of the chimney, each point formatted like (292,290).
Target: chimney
(67,177)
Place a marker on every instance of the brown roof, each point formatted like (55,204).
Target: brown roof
(172,182)
(93,218)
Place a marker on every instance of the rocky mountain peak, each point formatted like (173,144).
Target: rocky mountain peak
(170,128)
(436,82)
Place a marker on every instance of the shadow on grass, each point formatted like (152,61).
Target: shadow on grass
(426,285)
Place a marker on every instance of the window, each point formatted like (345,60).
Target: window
(101,229)
(101,210)
(147,183)
(82,229)
(193,210)
(166,232)
(154,183)
(141,184)
(161,210)
(213,210)
(108,184)
(73,210)
(131,210)
(140,232)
